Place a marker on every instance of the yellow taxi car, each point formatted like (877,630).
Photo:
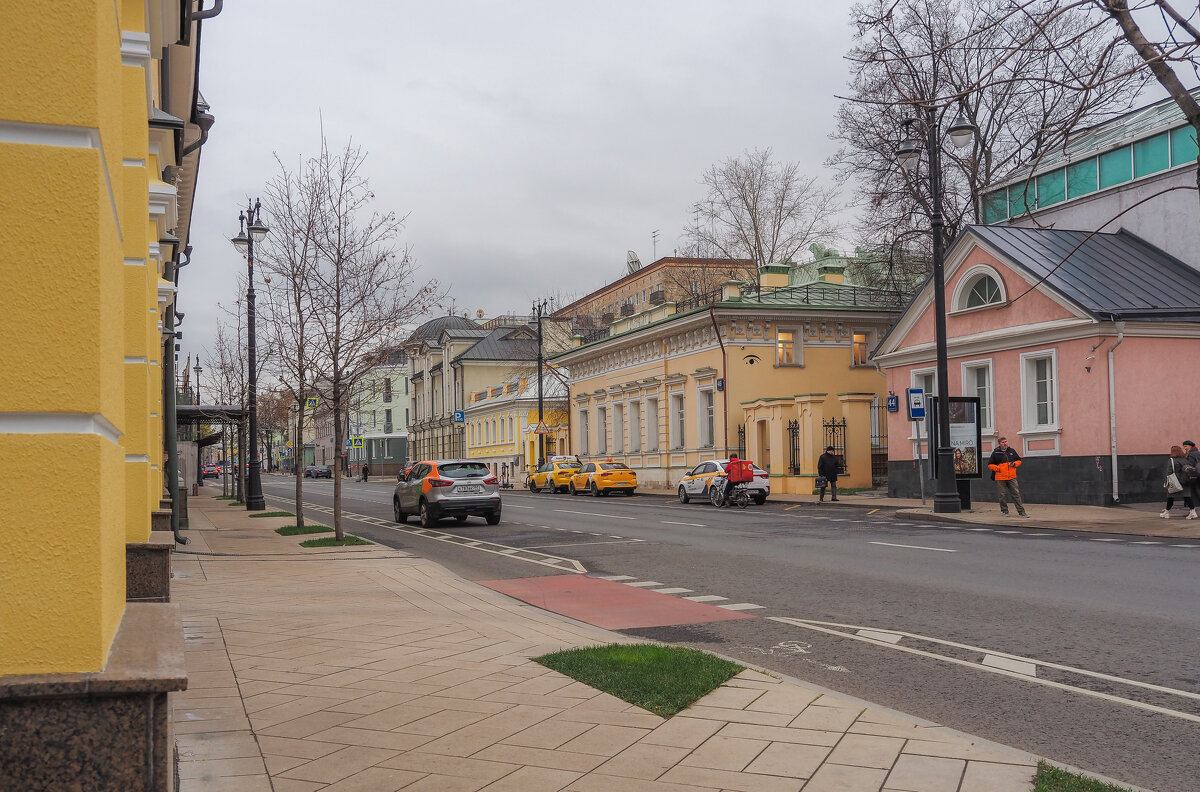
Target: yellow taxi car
(555,475)
(601,478)
(698,481)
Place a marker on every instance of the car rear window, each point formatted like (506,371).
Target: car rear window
(614,466)
(458,470)
(569,465)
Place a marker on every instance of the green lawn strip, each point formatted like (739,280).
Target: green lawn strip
(224,497)
(1052,779)
(293,530)
(330,541)
(273,514)
(236,503)
(661,679)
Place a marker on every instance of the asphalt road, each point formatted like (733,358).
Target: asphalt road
(954,614)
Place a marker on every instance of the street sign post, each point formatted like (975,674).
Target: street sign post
(916,404)
(893,403)
(458,417)
(311,403)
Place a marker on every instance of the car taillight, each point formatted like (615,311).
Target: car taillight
(490,480)
(605,474)
(760,475)
(436,482)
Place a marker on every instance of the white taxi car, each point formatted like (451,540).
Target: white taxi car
(698,480)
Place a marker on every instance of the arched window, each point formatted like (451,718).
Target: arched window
(978,287)
(984,291)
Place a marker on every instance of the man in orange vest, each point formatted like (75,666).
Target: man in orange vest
(1003,463)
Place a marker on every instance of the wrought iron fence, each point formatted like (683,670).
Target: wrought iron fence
(835,435)
(879,443)
(741,446)
(595,335)
(793,428)
(698,301)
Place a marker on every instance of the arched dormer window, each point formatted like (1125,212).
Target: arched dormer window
(978,287)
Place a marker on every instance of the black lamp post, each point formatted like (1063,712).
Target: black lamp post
(199,462)
(961,131)
(251,230)
(197,368)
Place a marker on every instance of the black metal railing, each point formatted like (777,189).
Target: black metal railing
(835,435)
(793,428)
(698,301)
(879,443)
(596,335)
(741,446)
(822,293)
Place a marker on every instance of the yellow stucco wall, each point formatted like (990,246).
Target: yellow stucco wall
(80,292)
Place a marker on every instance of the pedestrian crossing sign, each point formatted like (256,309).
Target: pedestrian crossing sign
(356,442)
(311,403)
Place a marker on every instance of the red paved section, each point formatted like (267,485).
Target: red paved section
(604,603)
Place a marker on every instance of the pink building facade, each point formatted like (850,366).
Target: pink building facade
(1084,350)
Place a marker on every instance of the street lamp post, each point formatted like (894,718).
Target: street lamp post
(251,230)
(961,131)
(199,462)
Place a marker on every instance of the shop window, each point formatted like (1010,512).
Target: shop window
(1116,167)
(1183,146)
(1081,178)
(1151,155)
(1052,188)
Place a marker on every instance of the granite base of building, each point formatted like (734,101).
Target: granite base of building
(148,568)
(1085,481)
(107,731)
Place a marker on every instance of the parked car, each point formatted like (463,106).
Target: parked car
(555,475)
(438,488)
(601,478)
(699,479)
(319,471)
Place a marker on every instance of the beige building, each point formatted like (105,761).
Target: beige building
(502,424)
(775,377)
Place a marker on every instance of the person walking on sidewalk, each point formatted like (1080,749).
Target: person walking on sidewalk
(1175,465)
(1192,487)
(827,468)
(1003,463)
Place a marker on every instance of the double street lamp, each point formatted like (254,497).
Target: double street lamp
(961,132)
(251,230)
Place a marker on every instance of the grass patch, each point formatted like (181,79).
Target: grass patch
(273,514)
(1052,779)
(224,497)
(293,530)
(330,541)
(661,679)
(236,503)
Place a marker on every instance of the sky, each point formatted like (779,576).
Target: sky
(530,144)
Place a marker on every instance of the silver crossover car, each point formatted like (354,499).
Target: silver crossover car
(437,488)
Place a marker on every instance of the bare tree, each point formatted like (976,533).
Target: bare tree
(361,286)
(227,380)
(1024,73)
(757,208)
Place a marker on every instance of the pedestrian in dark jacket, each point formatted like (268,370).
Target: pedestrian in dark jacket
(1175,465)
(1192,488)
(827,468)
(1003,463)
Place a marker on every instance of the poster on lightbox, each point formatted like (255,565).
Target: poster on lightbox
(965,437)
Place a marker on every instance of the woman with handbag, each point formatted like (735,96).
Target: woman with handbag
(1175,484)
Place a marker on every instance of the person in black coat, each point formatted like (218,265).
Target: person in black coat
(827,467)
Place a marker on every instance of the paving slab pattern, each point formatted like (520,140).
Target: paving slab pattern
(367,668)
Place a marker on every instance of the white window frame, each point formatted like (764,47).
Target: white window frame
(635,427)
(1031,430)
(706,421)
(652,431)
(988,411)
(618,443)
(797,347)
(677,420)
(916,379)
(867,335)
(601,429)
(964,285)
(583,431)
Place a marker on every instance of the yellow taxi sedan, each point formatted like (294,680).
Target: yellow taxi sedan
(601,478)
(555,475)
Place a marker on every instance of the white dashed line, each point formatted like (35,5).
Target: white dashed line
(613,577)
(1185,545)
(1145,543)
(646,584)
(741,606)
(1094,539)
(596,514)
(706,598)
(914,547)
(693,525)
(673,591)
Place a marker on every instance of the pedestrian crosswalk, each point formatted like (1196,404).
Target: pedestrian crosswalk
(662,588)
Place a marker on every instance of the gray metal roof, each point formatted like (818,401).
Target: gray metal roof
(503,343)
(431,330)
(1109,275)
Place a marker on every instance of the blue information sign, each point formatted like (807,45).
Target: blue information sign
(916,404)
(893,404)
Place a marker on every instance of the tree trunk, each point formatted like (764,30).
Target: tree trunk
(298,467)
(339,440)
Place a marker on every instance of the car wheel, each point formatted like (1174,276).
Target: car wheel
(532,488)
(595,490)
(571,489)
(553,488)
(461,518)
(492,517)
(428,519)
(760,499)
(401,517)
(683,496)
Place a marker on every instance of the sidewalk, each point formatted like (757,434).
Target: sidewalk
(365,668)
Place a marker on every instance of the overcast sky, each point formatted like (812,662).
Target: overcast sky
(531,144)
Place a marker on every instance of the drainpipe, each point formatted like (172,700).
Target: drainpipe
(210,13)
(712,314)
(170,425)
(1112,411)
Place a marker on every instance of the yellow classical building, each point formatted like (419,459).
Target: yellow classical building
(774,376)
(502,424)
(100,127)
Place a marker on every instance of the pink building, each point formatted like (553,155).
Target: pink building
(1082,348)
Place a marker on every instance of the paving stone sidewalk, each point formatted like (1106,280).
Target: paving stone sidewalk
(366,668)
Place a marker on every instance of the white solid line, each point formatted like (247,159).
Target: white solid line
(881,635)
(694,525)
(1009,664)
(1185,545)
(1008,532)
(914,547)
(741,606)
(596,514)
(673,591)
(516,506)
(646,584)
(979,529)
(1092,539)
(577,544)
(612,577)
(705,598)
(1145,543)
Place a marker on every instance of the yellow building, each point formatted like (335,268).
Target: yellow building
(100,127)
(774,376)
(502,424)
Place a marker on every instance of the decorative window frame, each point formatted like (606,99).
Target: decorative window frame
(915,378)
(635,407)
(797,332)
(1031,431)
(676,428)
(702,442)
(869,333)
(583,413)
(602,428)
(968,366)
(962,289)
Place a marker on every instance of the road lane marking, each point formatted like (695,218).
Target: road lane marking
(578,544)
(881,635)
(827,628)
(517,506)
(914,547)
(1145,543)
(674,591)
(1010,664)
(706,598)
(872,511)
(1185,545)
(789,508)
(694,525)
(646,584)
(979,529)
(596,514)
(741,606)
(1094,539)
(613,577)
